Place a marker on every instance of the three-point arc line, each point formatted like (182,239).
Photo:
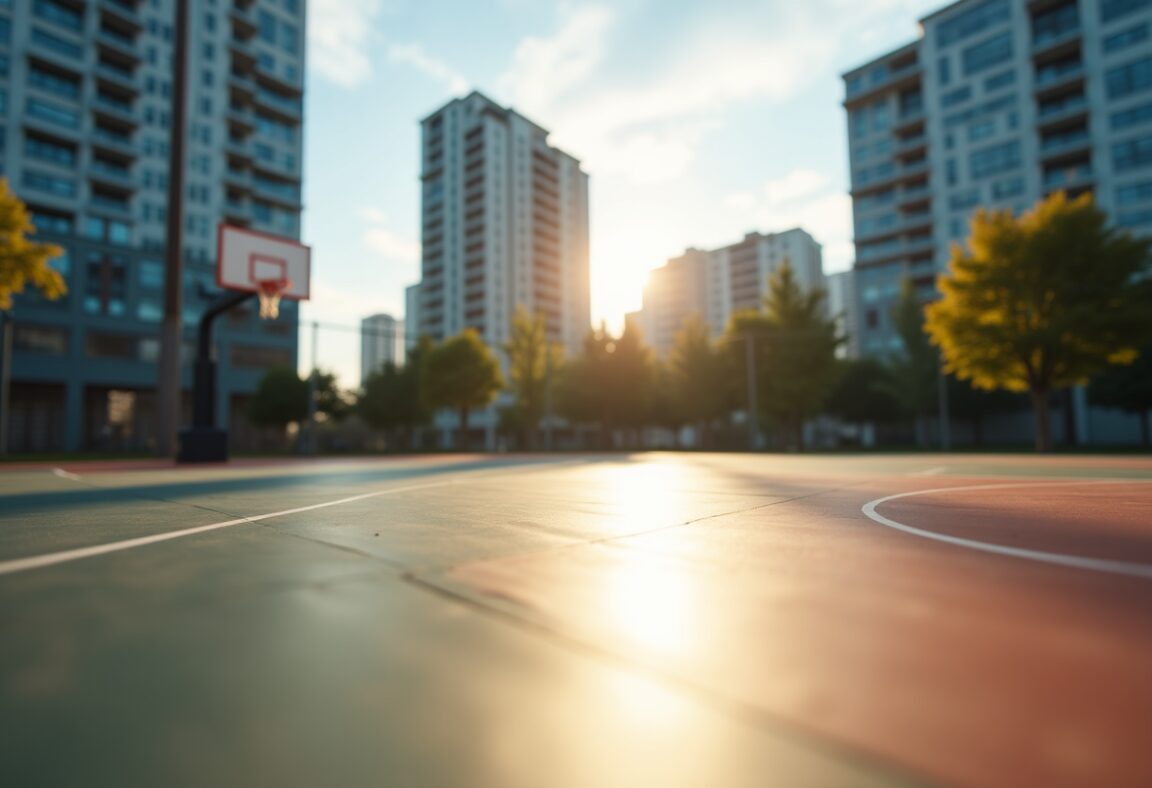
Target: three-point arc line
(1060,559)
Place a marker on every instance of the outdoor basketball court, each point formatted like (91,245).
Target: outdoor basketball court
(652,619)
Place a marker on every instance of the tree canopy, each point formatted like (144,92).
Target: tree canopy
(23,261)
(280,398)
(795,343)
(1042,301)
(463,374)
(532,360)
(1129,388)
(695,373)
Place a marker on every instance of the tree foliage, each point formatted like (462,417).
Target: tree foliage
(23,261)
(865,391)
(1128,388)
(280,398)
(916,369)
(795,344)
(463,374)
(610,382)
(696,372)
(532,360)
(1042,301)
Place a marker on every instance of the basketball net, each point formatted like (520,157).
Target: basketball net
(269,291)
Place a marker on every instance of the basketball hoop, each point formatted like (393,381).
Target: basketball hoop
(269,291)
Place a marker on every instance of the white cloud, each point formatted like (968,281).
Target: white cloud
(802,198)
(339,39)
(414,55)
(389,244)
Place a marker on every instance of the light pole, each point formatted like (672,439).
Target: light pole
(750,367)
(171,334)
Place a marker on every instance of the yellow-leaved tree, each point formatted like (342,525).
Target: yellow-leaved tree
(1042,301)
(23,261)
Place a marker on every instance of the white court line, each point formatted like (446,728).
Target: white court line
(50,559)
(930,471)
(1078,562)
(63,474)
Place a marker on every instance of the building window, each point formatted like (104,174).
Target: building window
(57,153)
(1129,78)
(1114,9)
(48,340)
(1132,154)
(1126,38)
(62,187)
(994,159)
(114,346)
(997,81)
(1136,193)
(976,19)
(955,97)
(988,53)
(52,114)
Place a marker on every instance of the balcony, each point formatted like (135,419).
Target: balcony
(121,13)
(889,79)
(114,141)
(117,76)
(288,110)
(116,111)
(118,46)
(1073,177)
(114,175)
(244,24)
(238,180)
(109,204)
(1057,75)
(1049,39)
(1076,141)
(241,118)
(1054,113)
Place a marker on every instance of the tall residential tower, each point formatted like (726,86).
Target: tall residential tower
(505,224)
(85,106)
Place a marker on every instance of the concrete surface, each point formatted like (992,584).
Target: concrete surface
(631,620)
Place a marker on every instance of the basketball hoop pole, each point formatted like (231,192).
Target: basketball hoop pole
(203,442)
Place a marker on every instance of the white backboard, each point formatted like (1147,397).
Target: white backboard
(245,257)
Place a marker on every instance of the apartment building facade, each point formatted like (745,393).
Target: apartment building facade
(381,341)
(85,108)
(714,284)
(505,224)
(997,104)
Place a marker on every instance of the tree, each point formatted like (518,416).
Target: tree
(695,370)
(1128,388)
(23,262)
(796,352)
(280,398)
(462,373)
(531,361)
(609,383)
(916,370)
(331,402)
(865,391)
(1042,302)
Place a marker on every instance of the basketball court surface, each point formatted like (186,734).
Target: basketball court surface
(578,620)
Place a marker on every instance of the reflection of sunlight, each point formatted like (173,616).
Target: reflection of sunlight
(642,699)
(644,496)
(650,601)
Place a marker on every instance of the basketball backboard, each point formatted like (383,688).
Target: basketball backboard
(250,261)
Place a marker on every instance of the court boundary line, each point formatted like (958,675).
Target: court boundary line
(15,565)
(1041,556)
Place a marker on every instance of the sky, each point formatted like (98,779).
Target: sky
(697,123)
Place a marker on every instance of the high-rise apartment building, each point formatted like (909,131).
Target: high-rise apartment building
(381,341)
(844,309)
(997,104)
(714,284)
(85,107)
(505,224)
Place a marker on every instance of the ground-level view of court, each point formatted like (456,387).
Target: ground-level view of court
(647,619)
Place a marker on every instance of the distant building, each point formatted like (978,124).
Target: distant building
(997,104)
(714,284)
(85,99)
(842,305)
(381,341)
(411,315)
(505,224)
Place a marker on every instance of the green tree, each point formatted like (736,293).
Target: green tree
(332,402)
(865,391)
(393,399)
(462,373)
(609,383)
(531,362)
(24,262)
(280,398)
(1042,302)
(1128,388)
(795,344)
(916,369)
(695,370)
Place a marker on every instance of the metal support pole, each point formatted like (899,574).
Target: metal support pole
(168,388)
(750,369)
(5,379)
(203,442)
(547,396)
(945,415)
(311,443)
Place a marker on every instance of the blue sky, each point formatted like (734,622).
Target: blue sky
(697,122)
